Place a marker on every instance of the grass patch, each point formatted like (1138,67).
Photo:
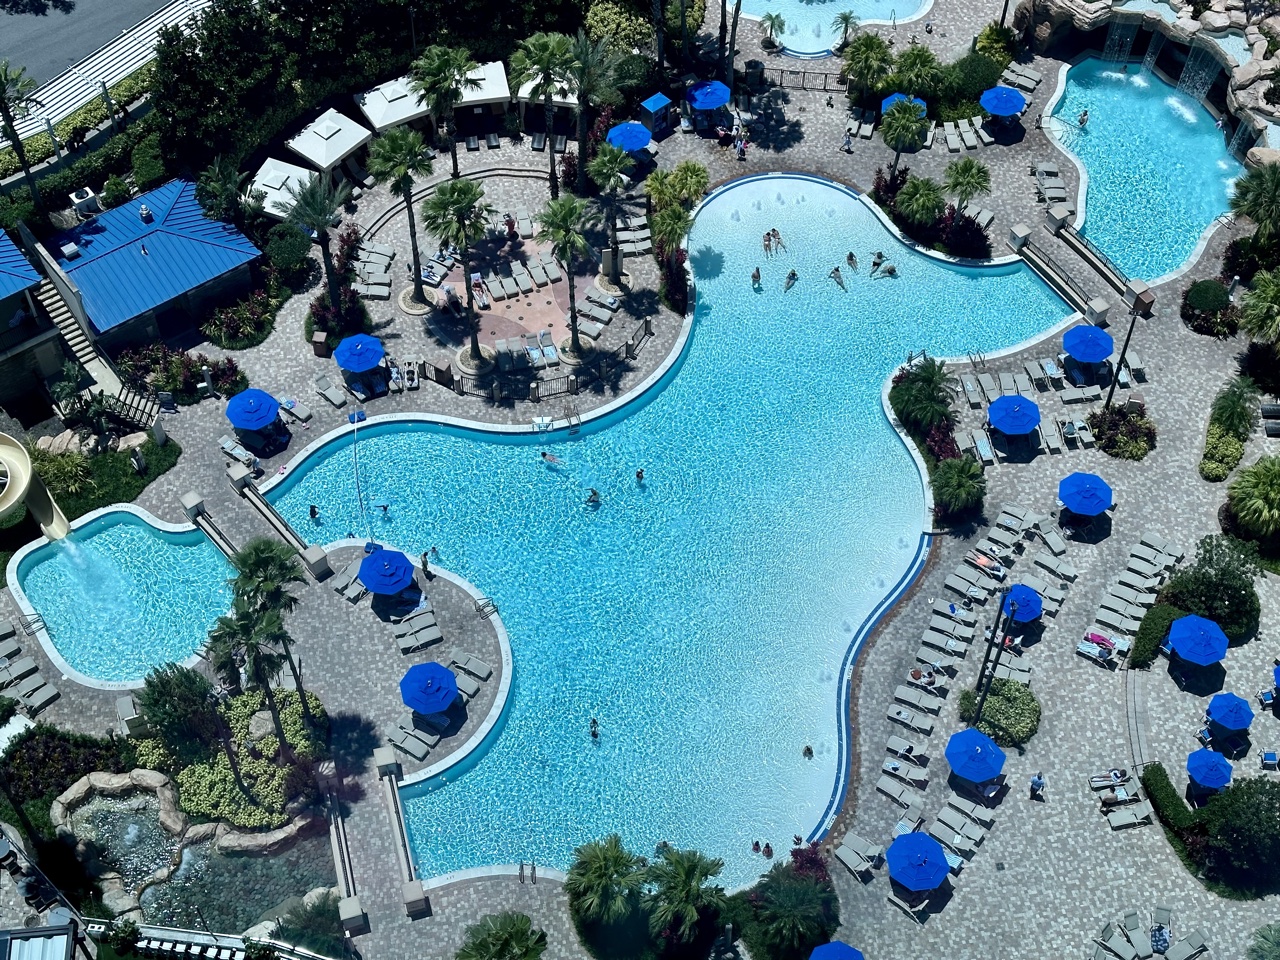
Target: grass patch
(113,479)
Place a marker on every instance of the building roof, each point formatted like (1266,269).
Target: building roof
(656,102)
(16,272)
(126,265)
(493,85)
(391,104)
(563,95)
(274,179)
(329,138)
(42,943)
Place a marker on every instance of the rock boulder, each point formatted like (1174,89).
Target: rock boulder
(148,779)
(133,440)
(261,725)
(111,784)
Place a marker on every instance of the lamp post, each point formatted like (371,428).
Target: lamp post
(1115,374)
(985,678)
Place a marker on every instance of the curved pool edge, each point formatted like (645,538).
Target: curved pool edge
(42,634)
(784,50)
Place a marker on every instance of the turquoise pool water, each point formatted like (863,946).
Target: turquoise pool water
(703,616)
(1159,170)
(1234,43)
(809,30)
(119,597)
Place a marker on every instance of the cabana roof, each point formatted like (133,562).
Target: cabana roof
(328,139)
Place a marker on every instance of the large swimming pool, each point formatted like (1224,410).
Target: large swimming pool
(1159,170)
(809,31)
(702,616)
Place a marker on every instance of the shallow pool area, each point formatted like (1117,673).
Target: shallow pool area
(809,29)
(1158,167)
(1234,43)
(119,596)
(704,617)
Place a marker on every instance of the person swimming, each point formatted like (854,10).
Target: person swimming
(877,260)
(777,238)
(551,458)
(593,498)
(768,245)
(792,277)
(851,260)
(835,275)
(888,270)
(755,277)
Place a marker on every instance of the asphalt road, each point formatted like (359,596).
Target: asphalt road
(47,45)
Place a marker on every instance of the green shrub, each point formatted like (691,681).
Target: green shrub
(1010,716)
(622,28)
(315,927)
(1206,296)
(1219,586)
(114,192)
(253,950)
(44,761)
(1152,633)
(1207,309)
(997,43)
(965,80)
(154,755)
(1123,433)
(695,10)
(114,480)
(148,163)
(1164,796)
(65,474)
(1243,826)
(122,936)
(959,487)
(1222,452)
(160,367)
(209,791)
(8,710)
(288,250)
(245,324)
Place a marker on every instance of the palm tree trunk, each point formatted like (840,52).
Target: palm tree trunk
(659,32)
(550,109)
(472,320)
(418,294)
(11,132)
(453,143)
(615,268)
(893,168)
(575,343)
(224,735)
(274,709)
(583,106)
(684,32)
(330,272)
(724,31)
(297,681)
(733,44)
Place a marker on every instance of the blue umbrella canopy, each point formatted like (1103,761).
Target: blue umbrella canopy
(974,756)
(359,353)
(1230,712)
(1002,101)
(1014,415)
(1029,605)
(1084,493)
(1088,343)
(893,98)
(629,136)
(428,688)
(1275,677)
(252,409)
(917,861)
(707,95)
(1198,640)
(1209,769)
(835,950)
(386,572)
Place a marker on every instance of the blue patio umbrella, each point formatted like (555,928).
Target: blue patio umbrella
(629,136)
(1084,493)
(1230,712)
(917,861)
(1002,101)
(893,98)
(359,353)
(1014,415)
(835,950)
(1198,640)
(1087,343)
(428,688)
(252,409)
(707,95)
(1029,604)
(1209,769)
(1275,677)
(974,756)
(386,572)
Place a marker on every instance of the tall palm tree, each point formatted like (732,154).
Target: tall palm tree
(681,893)
(1235,408)
(724,28)
(592,72)
(867,62)
(560,224)
(396,158)
(608,170)
(659,13)
(774,25)
(315,205)
(922,399)
(503,936)
(917,70)
(219,191)
(920,200)
(17,100)
(795,913)
(458,214)
(1257,196)
(1260,308)
(249,637)
(733,43)
(1255,497)
(661,189)
(669,228)
(604,881)
(545,59)
(958,484)
(846,22)
(965,179)
(903,128)
(689,180)
(440,77)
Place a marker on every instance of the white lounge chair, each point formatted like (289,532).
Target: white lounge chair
(326,389)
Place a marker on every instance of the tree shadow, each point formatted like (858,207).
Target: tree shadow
(707,263)
(352,739)
(36,8)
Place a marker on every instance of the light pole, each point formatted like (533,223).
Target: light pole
(985,678)
(1115,374)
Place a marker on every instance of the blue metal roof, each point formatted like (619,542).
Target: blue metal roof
(656,102)
(16,272)
(128,266)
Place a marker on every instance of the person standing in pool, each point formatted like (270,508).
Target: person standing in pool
(314,512)
(755,278)
(835,275)
(1084,118)
(777,239)
(768,245)
(851,260)
(878,259)
(593,498)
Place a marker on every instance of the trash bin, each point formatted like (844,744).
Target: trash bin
(320,343)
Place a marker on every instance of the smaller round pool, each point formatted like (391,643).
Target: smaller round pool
(809,31)
(119,596)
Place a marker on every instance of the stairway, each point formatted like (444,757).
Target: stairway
(60,313)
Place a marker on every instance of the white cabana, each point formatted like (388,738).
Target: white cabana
(328,139)
(274,179)
(391,104)
(493,86)
(563,96)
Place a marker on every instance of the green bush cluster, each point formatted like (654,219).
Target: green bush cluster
(114,480)
(1010,716)
(245,324)
(964,81)
(288,250)
(114,192)
(1152,633)
(8,710)
(1231,419)
(1222,452)
(1207,309)
(306,745)
(147,160)
(622,28)
(1123,433)
(1219,586)
(1170,807)
(43,761)
(154,755)
(997,43)
(158,366)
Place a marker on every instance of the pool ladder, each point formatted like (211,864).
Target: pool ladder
(31,623)
(573,419)
(486,607)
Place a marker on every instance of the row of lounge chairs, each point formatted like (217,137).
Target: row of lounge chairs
(861,123)
(522,278)
(20,678)
(372,265)
(1135,939)
(164,947)
(1024,78)
(559,143)
(527,351)
(966,133)
(491,140)
(595,312)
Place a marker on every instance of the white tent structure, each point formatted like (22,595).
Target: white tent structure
(391,104)
(274,179)
(328,139)
(493,87)
(562,96)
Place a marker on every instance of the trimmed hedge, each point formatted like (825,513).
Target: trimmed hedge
(1164,796)
(1152,633)
(1011,715)
(1222,453)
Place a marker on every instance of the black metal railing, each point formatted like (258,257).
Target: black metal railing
(1092,248)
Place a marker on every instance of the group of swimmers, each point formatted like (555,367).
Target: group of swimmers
(773,238)
(880,267)
(593,496)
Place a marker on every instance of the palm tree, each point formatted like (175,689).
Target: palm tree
(689,180)
(917,70)
(659,13)
(965,179)
(249,637)
(1257,196)
(724,26)
(920,200)
(560,224)
(669,227)
(503,936)
(681,893)
(958,484)
(922,398)
(592,72)
(867,62)
(846,22)
(604,882)
(1255,497)
(795,913)
(396,158)
(661,189)
(1235,408)
(458,214)
(1266,943)
(440,77)
(903,128)
(1260,308)
(219,191)
(17,100)
(545,59)
(315,206)
(773,26)
(608,170)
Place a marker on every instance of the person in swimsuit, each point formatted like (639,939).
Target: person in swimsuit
(777,238)
(755,277)
(877,260)
(768,245)
(792,277)
(851,260)
(835,275)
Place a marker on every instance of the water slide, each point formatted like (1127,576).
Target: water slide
(19,483)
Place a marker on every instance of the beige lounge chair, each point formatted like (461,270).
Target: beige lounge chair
(918,699)
(16,671)
(978,814)
(910,720)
